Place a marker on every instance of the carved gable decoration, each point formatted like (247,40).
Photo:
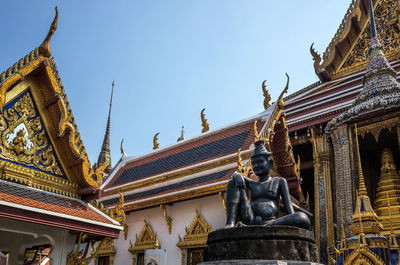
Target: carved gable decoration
(107,249)
(146,240)
(387,15)
(24,139)
(196,234)
(348,51)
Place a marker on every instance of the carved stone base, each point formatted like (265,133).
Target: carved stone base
(258,262)
(266,243)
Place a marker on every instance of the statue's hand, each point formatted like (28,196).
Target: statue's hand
(238,180)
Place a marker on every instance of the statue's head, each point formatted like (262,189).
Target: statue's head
(261,160)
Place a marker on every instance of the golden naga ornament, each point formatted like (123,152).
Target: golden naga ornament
(79,257)
(204,123)
(267,96)
(155,141)
(118,213)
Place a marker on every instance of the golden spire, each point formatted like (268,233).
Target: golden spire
(155,141)
(204,122)
(44,48)
(362,190)
(105,153)
(364,214)
(267,96)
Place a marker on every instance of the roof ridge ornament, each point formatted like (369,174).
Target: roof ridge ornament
(281,103)
(204,122)
(182,137)
(44,48)
(155,141)
(267,96)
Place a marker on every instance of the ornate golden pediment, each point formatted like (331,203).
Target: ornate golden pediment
(348,51)
(146,240)
(24,138)
(26,151)
(387,15)
(107,249)
(196,234)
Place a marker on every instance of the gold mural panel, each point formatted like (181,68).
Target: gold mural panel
(387,15)
(24,138)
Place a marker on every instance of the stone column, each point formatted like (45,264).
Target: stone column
(341,149)
(324,229)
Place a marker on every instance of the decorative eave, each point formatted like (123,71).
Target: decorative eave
(346,52)
(40,71)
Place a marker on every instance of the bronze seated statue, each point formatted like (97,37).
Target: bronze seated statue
(263,206)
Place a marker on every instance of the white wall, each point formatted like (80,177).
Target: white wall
(182,213)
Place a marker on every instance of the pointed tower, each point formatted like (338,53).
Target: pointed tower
(105,154)
(364,218)
(381,90)
(389,184)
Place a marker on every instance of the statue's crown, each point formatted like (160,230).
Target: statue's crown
(260,149)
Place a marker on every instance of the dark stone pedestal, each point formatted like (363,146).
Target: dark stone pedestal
(258,262)
(261,245)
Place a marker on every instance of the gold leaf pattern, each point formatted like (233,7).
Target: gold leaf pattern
(387,15)
(24,139)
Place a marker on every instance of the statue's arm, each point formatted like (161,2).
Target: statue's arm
(284,190)
(240,181)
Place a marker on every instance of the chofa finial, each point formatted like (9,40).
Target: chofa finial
(155,141)
(267,96)
(204,122)
(44,48)
(281,104)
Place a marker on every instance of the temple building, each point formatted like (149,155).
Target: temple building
(48,212)
(181,186)
(336,142)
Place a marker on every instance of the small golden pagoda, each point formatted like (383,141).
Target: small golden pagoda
(364,218)
(388,193)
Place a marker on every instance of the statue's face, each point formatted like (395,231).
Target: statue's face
(261,165)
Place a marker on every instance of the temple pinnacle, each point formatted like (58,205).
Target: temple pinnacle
(105,154)
(372,20)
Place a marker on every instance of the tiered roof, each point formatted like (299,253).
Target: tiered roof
(45,171)
(188,169)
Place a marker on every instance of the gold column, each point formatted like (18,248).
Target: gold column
(316,163)
(325,235)
(398,134)
(341,149)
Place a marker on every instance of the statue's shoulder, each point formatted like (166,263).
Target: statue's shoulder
(280,180)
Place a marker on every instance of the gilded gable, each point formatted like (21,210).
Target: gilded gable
(24,138)
(387,15)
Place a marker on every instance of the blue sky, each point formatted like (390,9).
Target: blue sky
(170,59)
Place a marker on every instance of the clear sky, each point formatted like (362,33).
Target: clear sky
(170,59)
